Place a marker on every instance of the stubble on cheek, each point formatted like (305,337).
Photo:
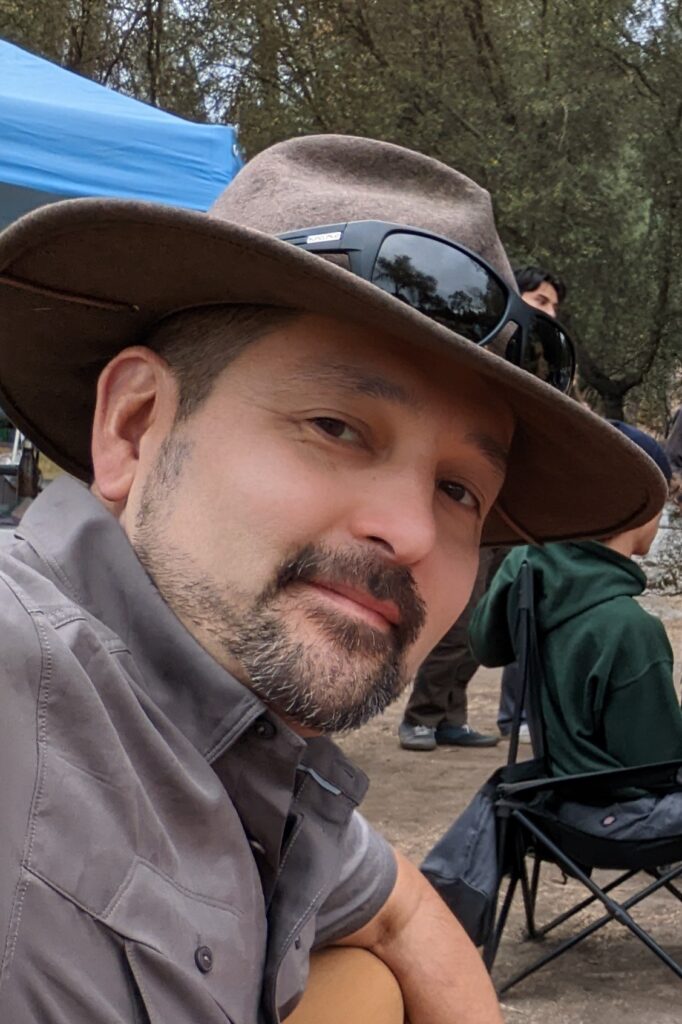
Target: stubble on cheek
(162,485)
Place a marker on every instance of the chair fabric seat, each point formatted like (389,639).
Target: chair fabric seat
(591,850)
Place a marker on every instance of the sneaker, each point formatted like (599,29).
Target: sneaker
(524,733)
(416,737)
(463,736)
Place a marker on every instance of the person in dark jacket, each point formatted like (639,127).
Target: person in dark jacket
(608,699)
(437,710)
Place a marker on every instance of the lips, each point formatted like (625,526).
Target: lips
(386,610)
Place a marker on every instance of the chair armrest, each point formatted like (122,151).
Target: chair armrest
(665,775)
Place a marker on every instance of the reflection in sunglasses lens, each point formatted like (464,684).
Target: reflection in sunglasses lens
(547,354)
(441,282)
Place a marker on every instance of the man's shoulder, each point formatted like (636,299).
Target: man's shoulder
(25,586)
(22,591)
(35,611)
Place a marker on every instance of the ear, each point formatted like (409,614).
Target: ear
(136,400)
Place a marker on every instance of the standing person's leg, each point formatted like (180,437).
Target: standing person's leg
(454,730)
(349,986)
(511,683)
(436,712)
(431,698)
(509,692)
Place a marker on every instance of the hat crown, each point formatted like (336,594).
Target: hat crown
(330,179)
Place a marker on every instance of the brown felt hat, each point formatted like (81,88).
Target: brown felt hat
(82,279)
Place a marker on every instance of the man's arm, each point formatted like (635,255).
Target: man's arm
(440,973)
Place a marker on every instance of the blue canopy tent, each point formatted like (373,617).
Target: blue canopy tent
(63,136)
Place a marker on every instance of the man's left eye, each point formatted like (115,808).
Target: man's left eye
(459,493)
(335,428)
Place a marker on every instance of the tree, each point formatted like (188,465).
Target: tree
(568,113)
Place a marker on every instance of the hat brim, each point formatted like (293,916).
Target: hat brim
(82,279)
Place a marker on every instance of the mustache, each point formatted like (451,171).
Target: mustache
(364,570)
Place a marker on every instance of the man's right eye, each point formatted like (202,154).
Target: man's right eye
(335,428)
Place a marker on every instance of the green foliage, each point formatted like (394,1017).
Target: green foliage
(569,112)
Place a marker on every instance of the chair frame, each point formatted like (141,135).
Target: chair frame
(523,823)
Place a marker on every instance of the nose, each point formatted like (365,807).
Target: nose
(395,511)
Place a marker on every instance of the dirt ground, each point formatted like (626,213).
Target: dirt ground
(610,978)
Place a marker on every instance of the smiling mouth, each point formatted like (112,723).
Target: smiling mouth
(383,615)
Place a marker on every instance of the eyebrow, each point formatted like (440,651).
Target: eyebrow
(496,454)
(353,380)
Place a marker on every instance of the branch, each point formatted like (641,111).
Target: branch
(125,39)
(628,65)
(488,59)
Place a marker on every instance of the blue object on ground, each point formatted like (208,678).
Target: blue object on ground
(63,136)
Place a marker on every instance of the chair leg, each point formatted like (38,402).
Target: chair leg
(493,944)
(656,872)
(616,911)
(535,882)
(560,918)
(529,889)
(589,930)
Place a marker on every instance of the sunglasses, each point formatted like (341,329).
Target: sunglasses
(449,284)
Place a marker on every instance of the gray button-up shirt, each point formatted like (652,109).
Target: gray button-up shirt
(170,851)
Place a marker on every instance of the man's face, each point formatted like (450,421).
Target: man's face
(315,523)
(544,297)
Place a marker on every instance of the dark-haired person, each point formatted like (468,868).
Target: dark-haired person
(287,469)
(437,710)
(541,288)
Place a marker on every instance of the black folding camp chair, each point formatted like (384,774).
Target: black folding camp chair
(531,831)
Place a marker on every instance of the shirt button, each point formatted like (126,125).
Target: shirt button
(264,729)
(203,958)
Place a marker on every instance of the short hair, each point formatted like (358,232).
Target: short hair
(529,278)
(198,344)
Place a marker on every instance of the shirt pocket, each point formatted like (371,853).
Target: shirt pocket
(191,958)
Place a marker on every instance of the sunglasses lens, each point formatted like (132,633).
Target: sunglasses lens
(441,282)
(546,352)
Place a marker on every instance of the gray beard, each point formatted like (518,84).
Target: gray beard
(333,683)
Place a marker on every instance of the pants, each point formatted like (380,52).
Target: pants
(511,685)
(647,817)
(439,694)
(349,986)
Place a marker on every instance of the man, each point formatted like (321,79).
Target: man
(541,289)
(608,700)
(437,710)
(291,464)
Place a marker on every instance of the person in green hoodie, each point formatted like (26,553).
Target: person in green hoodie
(608,699)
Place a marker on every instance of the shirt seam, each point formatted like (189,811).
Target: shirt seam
(46,663)
(58,570)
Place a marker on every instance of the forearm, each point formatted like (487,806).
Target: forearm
(439,971)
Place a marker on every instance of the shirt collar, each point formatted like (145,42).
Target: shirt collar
(70,537)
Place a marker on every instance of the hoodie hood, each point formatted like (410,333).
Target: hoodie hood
(572,579)
(576,577)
